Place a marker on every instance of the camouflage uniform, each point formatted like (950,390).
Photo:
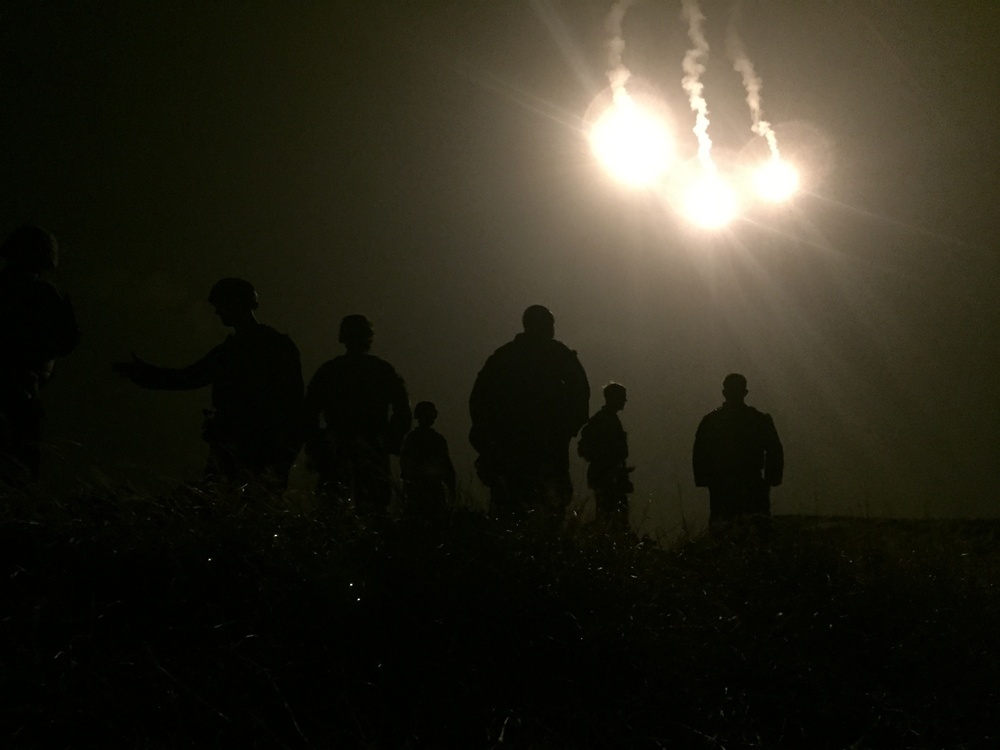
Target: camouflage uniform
(253,430)
(37,325)
(426,469)
(738,456)
(366,412)
(529,400)
(604,444)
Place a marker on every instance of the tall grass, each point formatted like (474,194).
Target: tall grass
(201,619)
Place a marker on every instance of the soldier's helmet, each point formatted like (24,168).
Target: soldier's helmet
(425,410)
(31,248)
(614,391)
(235,293)
(356,331)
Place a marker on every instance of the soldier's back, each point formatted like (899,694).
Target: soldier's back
(525,387)
(258,374)
(735,438)
(354,393)
(37,323)
(603,440)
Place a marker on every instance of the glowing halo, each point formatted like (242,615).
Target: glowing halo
(776,181)
(632,143)
(710,202)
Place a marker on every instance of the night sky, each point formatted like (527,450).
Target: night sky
(425,164)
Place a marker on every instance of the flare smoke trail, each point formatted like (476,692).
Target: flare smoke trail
(693,68)
(752,84)
(618,74)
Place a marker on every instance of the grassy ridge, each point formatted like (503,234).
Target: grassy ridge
(200,621)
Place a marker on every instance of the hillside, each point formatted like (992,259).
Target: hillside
(195,620)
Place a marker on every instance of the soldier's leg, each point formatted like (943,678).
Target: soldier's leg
(724,507)
(373,485)
(759,505)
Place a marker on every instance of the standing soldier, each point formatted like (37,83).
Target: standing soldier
(738,456)
(37,325)
(253,428)
(529,400)
(365,413)
(604,444)
(425,465)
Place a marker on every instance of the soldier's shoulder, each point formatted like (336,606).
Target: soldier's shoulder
(377,363)
(510,349)
(563,349)
(501,358)
(277,338)
(326,369)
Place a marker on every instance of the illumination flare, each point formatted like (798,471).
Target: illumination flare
(710,202)
(632,143)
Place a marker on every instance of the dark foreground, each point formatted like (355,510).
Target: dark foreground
(194,621)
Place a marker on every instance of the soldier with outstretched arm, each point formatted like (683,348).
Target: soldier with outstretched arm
(253,429)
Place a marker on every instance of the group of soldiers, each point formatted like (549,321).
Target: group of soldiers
(529,402)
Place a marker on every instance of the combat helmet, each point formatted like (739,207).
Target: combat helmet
(31,248)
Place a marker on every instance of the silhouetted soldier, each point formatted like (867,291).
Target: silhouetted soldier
(737,455)
(604,445)
(365,414)
(425,465)
(529,400)
(253,429)
(37,325)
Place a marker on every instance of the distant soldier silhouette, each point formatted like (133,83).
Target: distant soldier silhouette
(425,464)
(604,445)
(529,400)
(738,456)
(365,413)
(253,429)
(37,325)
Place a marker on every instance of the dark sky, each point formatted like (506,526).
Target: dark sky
(425,164)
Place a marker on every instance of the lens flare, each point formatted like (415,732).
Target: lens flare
(776,181)
(710,202)
(632,143)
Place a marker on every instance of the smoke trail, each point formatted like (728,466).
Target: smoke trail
(618,74)
(693,68)
(752,84)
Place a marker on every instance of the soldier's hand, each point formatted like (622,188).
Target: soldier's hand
(129,369)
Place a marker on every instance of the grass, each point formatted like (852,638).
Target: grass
(205,620)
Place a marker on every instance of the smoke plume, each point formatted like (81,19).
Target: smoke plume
(752,84)
(618,74)
(693,69)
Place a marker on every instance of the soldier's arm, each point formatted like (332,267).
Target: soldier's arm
(578,388)
(64,333)
(402,417)
(481,405)
(312,406)
(289,383)
(289,397)
(774,457)
(196,375)
(701,461)
(449,467)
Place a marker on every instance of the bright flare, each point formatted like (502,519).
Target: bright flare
(633,144)
(710,202)
(776,181)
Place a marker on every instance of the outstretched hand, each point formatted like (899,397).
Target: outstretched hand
(130,369)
